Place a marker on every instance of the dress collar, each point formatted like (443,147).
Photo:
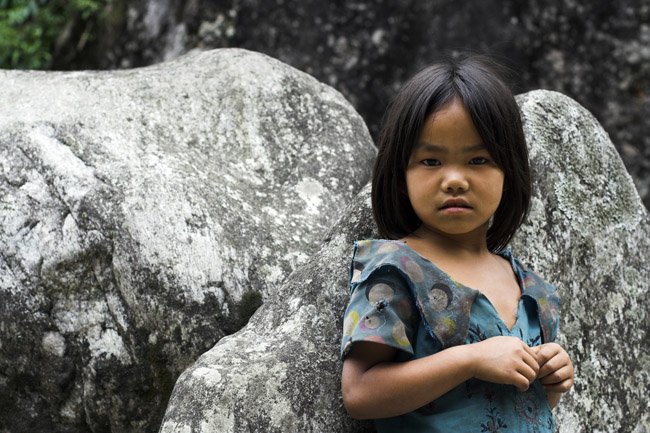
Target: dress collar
(445,304)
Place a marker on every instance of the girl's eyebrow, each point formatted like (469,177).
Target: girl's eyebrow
(429,147)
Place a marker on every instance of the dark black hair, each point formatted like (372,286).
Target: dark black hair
(480,84)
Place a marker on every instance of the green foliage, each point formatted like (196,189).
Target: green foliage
(29,29)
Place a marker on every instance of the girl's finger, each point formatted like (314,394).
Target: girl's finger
(528,371)
(532,351)
(521,382)
(563,386)
(531,361)
(557,376)
(547,352)
(553,364)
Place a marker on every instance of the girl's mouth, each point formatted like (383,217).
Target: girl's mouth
(455,204)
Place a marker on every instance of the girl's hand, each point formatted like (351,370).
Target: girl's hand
(506,360)
(556,369)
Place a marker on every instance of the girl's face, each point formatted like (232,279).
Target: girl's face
(452,182)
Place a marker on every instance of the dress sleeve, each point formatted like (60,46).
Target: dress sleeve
(381,310)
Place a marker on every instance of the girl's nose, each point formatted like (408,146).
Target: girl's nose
(454,181)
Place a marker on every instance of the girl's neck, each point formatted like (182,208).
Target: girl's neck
(434,244)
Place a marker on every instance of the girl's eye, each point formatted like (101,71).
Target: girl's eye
(478,161)
(430,162)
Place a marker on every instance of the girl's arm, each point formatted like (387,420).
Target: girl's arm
(556,371)
(374,386)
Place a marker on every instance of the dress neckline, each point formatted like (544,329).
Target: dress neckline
(515,269)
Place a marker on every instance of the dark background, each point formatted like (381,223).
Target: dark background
(597,52)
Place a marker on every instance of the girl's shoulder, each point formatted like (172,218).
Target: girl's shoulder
(372,255)
(444,304)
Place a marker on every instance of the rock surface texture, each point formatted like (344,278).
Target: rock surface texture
(597,52)
(281,373)
(139,210)
(588,232)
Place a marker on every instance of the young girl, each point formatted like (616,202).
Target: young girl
(445,331)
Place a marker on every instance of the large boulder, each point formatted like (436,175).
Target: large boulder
(145,214)
(597,52)
(588,232)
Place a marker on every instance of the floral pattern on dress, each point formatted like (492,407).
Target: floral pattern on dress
(529,410)
(494,422)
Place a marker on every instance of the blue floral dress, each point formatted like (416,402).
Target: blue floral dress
(401,299)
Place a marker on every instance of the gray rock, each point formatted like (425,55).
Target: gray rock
(145,213)
(281,373)
(588,233)
(596,52)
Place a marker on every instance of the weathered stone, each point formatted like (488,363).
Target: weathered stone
(588,233)
(596,52)
(281,373)
(138,207)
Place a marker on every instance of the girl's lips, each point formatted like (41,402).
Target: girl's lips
(455,204)
(455,209)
